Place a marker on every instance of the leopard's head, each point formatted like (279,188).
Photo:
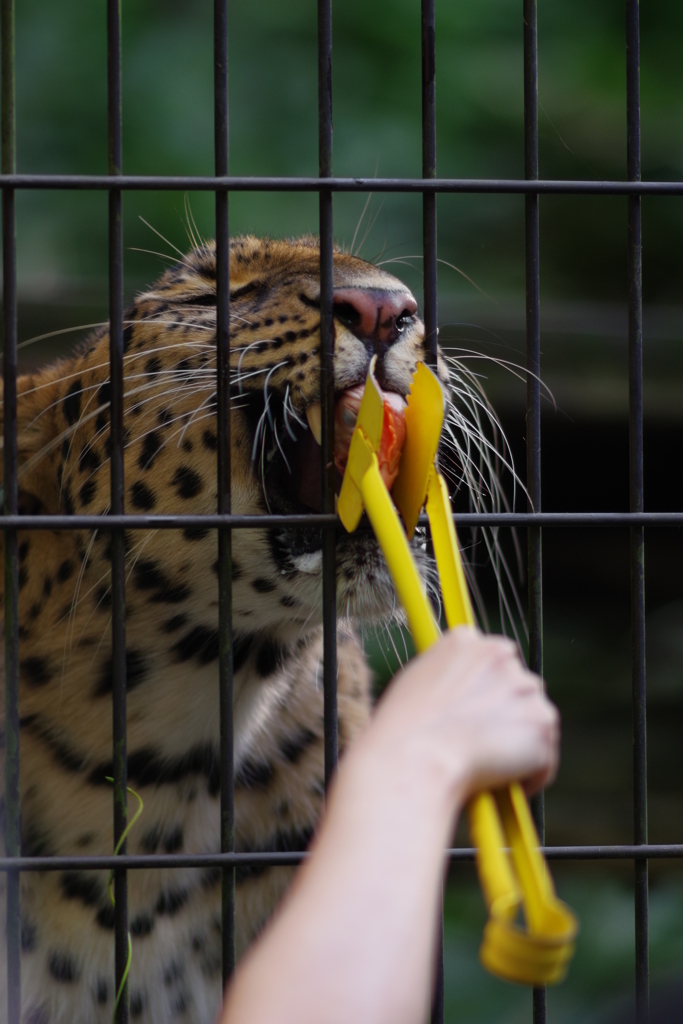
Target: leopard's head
(171,440)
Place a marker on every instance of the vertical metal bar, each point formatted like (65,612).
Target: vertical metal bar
(329,565)
(118,594)
(429,171)
(429,269)
(220,42)
(9,287)
(533,392)
(636,503)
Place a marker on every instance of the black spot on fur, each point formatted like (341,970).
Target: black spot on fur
(36,671)
(148,576)
(23,577)
(62,968)
(72,402)
(127,337)
(254,775)
(205,299)
(153,365)
(187,483)
(69,759)
(195,533)
(210,877)
(136,1004)
(89,459)
(292,747)
(106,917)
(102,992)
(174,624)
(28,937)
(246,289)
(170,901)
(47,586)
(209,440)
(165,417)
(236,571)
(241,648)
(103,596)
(151,447)
(288,601)
(34,840)
(79,886)
(142,497)
(87,492)
(268,658)
(173,839)
(149,767)
(65,571)
(23,551)
(201,643)
(68,501)
(149,842)
(263,586)
(180,1004)
(141,925)
(104,394)
(172,973)
(282,841)
(136,670)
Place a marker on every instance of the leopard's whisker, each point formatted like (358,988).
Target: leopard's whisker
(164,239)
(360,221)
(282,453)
(163,255)
(202,405)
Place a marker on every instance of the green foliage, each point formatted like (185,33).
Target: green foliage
(168,129)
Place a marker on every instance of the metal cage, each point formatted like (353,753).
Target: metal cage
(115,183)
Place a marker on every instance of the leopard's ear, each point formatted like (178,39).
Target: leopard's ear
(37,441)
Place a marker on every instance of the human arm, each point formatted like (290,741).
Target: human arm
(353,941)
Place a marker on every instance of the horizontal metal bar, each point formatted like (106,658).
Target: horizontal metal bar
(265,522)
(162,860)
(177,183)
(650,851)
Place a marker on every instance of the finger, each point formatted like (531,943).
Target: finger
(536,783)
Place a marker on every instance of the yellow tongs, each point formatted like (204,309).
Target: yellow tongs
(513,881)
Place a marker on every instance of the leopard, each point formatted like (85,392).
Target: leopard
(171,615)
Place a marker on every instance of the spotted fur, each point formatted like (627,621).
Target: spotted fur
(171,623)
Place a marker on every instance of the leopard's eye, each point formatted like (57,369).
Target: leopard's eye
(347,314)
(404,320)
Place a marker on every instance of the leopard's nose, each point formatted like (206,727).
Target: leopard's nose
(376,317)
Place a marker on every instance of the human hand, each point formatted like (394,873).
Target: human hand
(469,713)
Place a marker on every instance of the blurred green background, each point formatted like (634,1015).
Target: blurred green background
(168,129)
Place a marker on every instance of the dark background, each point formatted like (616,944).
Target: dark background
(168,129)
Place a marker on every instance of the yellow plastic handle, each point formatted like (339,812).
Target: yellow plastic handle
(540,955)
(392,540)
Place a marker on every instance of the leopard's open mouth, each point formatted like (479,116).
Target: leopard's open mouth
(304,455)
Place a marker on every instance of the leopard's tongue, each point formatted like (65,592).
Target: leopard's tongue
(345,416)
